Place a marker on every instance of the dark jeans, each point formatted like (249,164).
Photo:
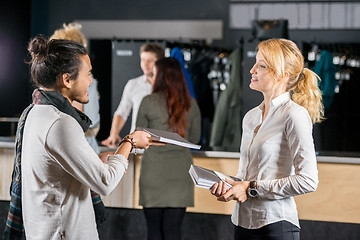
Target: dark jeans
(282,230)
(164,223)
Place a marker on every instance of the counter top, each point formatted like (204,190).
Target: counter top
(329,157)
(7,142)
(327,203)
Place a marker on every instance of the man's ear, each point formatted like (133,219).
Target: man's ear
(66,80)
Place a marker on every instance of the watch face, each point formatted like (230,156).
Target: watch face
(253,193)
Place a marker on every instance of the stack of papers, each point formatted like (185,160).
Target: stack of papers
(168,137)
(206,178)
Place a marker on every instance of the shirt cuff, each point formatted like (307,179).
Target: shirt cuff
(263,186)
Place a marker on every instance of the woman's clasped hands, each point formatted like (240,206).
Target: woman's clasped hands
(237,192)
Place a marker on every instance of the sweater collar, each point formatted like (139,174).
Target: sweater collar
(56,99)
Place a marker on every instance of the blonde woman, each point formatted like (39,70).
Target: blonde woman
(277,158)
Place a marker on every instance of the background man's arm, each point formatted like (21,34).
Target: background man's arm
(117,124)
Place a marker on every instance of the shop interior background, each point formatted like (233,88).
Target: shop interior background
(214,25)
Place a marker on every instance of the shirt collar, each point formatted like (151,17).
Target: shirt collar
(144,80)
(279,100)
(143,77)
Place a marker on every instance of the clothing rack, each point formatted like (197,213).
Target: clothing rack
(219,69)
(345,54)
(339,131)
(346,57)
(210,70)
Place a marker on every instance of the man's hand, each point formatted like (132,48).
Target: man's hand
(111,141)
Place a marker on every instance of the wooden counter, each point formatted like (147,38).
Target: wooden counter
(204,201)
(336,199)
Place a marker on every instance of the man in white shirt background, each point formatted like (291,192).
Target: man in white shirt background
(135,90)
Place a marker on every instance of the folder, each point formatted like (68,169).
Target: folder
(168,137)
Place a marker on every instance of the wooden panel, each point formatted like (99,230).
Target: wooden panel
(204,200)
(337,198)
(6,168)
(122,196)
(137,162)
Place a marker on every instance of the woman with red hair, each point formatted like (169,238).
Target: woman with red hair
(166,188)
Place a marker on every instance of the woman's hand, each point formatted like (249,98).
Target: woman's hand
(238,191)
(218,189)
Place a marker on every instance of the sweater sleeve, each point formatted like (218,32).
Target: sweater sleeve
(66,144)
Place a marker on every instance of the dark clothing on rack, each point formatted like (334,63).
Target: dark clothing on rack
(226,128)
(199,68)
(326,70)
(340,131)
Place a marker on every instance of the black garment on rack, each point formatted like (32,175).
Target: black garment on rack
(199,68)
(339,132)
(226,129)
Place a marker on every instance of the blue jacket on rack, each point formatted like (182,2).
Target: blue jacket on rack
(177,54)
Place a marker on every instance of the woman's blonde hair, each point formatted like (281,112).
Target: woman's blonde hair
(71,31)
(283,56)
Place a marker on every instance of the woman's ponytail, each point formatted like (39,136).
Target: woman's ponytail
(307,94)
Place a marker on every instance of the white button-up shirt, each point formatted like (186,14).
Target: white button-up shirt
(281,158)
(134,92)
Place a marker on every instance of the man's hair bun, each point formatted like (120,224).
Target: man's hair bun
(38,48)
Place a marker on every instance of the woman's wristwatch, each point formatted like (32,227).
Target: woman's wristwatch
(252,191)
